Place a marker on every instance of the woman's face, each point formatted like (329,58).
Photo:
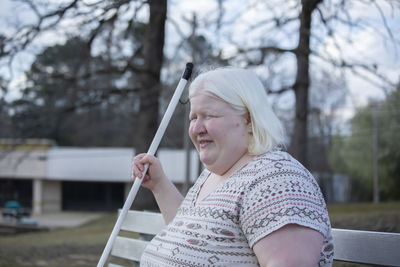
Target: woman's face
(219,133)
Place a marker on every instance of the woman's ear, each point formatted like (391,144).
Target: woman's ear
(248,117)
(248,122)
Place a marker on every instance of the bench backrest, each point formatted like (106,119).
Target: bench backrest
(349,245)
(366,247)
(145,225)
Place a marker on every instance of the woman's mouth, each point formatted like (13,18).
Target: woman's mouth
(204,143)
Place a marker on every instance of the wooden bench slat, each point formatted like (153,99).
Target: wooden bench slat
(366,247)
(143,222)
(128,248)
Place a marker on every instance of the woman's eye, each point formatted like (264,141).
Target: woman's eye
(209,116)
(203,117)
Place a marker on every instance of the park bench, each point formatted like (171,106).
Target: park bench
(14,212)
(375,248)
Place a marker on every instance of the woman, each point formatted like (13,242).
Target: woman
(253,204)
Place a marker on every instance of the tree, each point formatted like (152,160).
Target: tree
(354,154)
(114,32)
(61,95)
(153,46)
(327,98)
(389,146)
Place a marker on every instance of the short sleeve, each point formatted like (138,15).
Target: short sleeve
(281,193)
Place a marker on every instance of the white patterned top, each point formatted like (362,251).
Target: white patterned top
(271,191)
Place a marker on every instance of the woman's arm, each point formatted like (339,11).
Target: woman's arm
(168,199)
(292,245)
(166,194)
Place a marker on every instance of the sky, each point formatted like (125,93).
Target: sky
(367,45)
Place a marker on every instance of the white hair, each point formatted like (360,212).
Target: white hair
(244,92)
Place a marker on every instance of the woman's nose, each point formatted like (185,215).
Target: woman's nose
(198,126)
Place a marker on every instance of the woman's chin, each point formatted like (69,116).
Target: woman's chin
(206,158)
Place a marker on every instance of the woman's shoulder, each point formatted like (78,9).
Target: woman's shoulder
(280,167)
(276,160)
(275,155)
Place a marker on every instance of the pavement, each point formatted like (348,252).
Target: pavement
(57,219)
(65,219)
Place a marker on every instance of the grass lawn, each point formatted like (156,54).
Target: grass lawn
(383,217)
(78,246)
(82,246)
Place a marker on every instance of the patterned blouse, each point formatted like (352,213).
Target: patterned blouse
(271,191)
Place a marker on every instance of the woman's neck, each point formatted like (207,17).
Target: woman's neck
(240,163)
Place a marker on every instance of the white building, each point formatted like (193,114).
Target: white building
(46,177)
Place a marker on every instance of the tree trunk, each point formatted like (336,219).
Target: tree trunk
(147,122)
(153,46)
(298,145)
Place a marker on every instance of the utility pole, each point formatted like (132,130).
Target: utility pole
(376,153)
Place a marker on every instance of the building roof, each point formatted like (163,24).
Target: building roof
(86,164)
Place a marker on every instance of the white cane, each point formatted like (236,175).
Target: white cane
(152,150)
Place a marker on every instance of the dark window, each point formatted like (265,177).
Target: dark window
(92,196)
(16,189)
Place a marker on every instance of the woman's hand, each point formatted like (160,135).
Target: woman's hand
(167,196)
(154,175)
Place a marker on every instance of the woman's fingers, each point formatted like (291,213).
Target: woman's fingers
(146,178)
(153,175)
(138,166)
